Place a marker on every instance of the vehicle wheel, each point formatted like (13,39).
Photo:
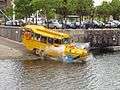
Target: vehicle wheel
(41,54)
(34,51)
(37,51)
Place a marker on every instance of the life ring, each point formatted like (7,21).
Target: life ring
(27,35)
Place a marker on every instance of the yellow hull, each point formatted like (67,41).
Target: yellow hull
(59,53)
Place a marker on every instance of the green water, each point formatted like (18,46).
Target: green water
(101,72)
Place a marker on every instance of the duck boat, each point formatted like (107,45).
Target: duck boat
(52,44)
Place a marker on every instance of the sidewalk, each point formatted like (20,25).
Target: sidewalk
(14,50)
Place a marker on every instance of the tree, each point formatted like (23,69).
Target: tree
(115,4)
(23,8)
(71,5)
(47,7)
(84,7)
(61,8)
(9,11)
(104,10)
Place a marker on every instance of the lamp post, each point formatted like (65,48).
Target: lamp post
(37,14)
(13,7)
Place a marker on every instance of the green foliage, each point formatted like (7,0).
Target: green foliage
(61,7)
(115,4)
(84,7)
(47,7)
(107,9)
(71,5)
(24,8)
(104,10)
(9,11)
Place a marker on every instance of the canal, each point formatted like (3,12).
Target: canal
(101,72)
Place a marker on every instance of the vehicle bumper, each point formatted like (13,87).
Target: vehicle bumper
(70,59)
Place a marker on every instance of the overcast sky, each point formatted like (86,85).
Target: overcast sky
(98,2)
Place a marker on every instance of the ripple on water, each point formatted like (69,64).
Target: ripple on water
(99,73)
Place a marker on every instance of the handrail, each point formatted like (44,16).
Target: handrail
(4,14)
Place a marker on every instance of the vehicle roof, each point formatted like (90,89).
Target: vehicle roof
(47,32)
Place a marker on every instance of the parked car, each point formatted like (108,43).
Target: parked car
(116,22)
(14,23)
(79,24)
(111,24)
(53,24)
(92,24)
(69,25)
(102,24)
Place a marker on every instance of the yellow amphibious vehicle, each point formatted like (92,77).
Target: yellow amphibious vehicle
(51,44)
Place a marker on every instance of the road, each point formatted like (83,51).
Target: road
(11,49)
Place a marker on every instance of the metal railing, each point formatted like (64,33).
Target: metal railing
(4,15)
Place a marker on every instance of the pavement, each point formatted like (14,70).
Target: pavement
(10,49)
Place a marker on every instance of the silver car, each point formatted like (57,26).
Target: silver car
(14,23)
(54,25)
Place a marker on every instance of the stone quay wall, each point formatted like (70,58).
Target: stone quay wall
(10,32)
(98,38)
(103,38)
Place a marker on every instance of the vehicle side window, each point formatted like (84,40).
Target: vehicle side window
(57,41)
(32,35)
(43,39)
(37,37)
(50,40)
(66,40)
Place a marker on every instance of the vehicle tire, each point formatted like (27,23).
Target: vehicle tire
(42,54)
(34,51)
(37,51)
